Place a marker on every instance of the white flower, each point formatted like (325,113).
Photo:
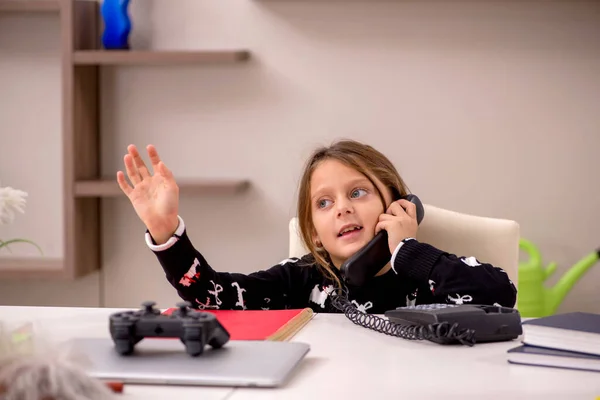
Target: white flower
(11,201)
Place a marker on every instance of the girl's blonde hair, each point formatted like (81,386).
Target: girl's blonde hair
(364,159)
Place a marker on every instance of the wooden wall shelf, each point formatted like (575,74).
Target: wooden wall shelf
(84,188)
(103,57)
(28,6)
(110,188)
(39,268)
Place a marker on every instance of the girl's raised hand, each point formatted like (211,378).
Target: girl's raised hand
(155,197)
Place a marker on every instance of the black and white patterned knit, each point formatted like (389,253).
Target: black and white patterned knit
(421,274)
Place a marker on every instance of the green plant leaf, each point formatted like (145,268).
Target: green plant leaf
(19,240)
(3,244)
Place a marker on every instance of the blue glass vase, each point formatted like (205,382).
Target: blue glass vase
(117,24)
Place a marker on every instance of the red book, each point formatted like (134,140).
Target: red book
(278,325)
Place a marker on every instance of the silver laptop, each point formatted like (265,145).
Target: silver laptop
(239,363)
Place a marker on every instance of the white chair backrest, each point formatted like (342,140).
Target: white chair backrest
(490,240)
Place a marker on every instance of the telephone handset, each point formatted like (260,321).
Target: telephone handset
(369,260)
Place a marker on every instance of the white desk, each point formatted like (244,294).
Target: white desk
(350,362)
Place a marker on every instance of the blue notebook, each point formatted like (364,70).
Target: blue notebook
(575,331)
(539,356)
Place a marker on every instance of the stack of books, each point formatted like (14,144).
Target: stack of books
(569,340)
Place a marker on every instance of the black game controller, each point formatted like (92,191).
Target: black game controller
(194,328)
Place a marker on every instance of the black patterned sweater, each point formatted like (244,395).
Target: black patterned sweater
(420,274)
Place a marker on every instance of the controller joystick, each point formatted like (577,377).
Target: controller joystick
(194,328)
(148,307)
(183,308)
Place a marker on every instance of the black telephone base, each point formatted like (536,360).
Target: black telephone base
(488,323)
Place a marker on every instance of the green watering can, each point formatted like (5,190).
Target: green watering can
(534,298)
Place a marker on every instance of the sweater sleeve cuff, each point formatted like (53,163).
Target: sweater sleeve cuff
(172,240)
(415,260)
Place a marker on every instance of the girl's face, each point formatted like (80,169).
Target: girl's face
(345,209)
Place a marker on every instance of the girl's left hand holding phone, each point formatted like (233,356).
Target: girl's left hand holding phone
(400,222)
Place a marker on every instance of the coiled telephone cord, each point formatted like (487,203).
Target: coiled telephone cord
(441,330)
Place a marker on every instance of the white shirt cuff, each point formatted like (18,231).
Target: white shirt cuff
(396,252)
(172,240)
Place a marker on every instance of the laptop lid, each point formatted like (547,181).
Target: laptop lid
(164,361)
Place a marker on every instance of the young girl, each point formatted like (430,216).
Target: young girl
(345,197)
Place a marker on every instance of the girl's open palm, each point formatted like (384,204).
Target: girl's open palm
(155,198)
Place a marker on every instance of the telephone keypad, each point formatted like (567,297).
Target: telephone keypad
(427,306)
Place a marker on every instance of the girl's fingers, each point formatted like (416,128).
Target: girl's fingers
(123,183)
(154,158)
(381,225)
(166,172)
(139,163)
(396,209)
(387,217)
(132,172)
(409,207)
